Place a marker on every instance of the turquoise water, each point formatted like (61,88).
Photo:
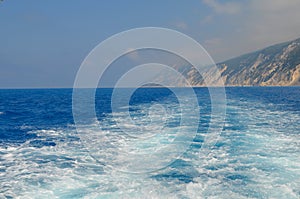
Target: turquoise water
(257,154)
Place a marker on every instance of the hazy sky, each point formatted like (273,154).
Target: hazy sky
(43,43)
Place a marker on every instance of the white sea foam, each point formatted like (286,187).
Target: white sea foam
(260,160)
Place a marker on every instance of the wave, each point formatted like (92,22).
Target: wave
(257,156)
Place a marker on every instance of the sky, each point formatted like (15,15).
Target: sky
(43,43)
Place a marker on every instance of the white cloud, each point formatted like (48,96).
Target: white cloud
(207,19)
(275,5)
(223,8)
(272,21)
(262,23)
(181,25)
(213,41)
(133,54)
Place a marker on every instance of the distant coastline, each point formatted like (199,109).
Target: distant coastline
(225,86)
(277,65)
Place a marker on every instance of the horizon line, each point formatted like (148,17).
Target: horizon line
(226,86)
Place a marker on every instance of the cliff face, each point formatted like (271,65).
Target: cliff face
(277,65)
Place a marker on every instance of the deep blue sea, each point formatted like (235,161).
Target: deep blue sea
(256,156)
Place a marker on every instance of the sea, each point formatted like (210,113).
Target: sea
(256,153)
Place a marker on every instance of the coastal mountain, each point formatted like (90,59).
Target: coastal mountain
(277,65)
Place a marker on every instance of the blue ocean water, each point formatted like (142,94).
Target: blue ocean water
(257,154)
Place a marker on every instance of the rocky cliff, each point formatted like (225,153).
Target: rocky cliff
(277,65)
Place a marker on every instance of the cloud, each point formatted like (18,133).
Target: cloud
(223,8)
(273,21)
(213,41)
(133,54)
(181,25)
(275,5)
(207,19)
(262,23)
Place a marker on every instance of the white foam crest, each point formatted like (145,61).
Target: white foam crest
(268,157)
(32,173)
(259,161)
